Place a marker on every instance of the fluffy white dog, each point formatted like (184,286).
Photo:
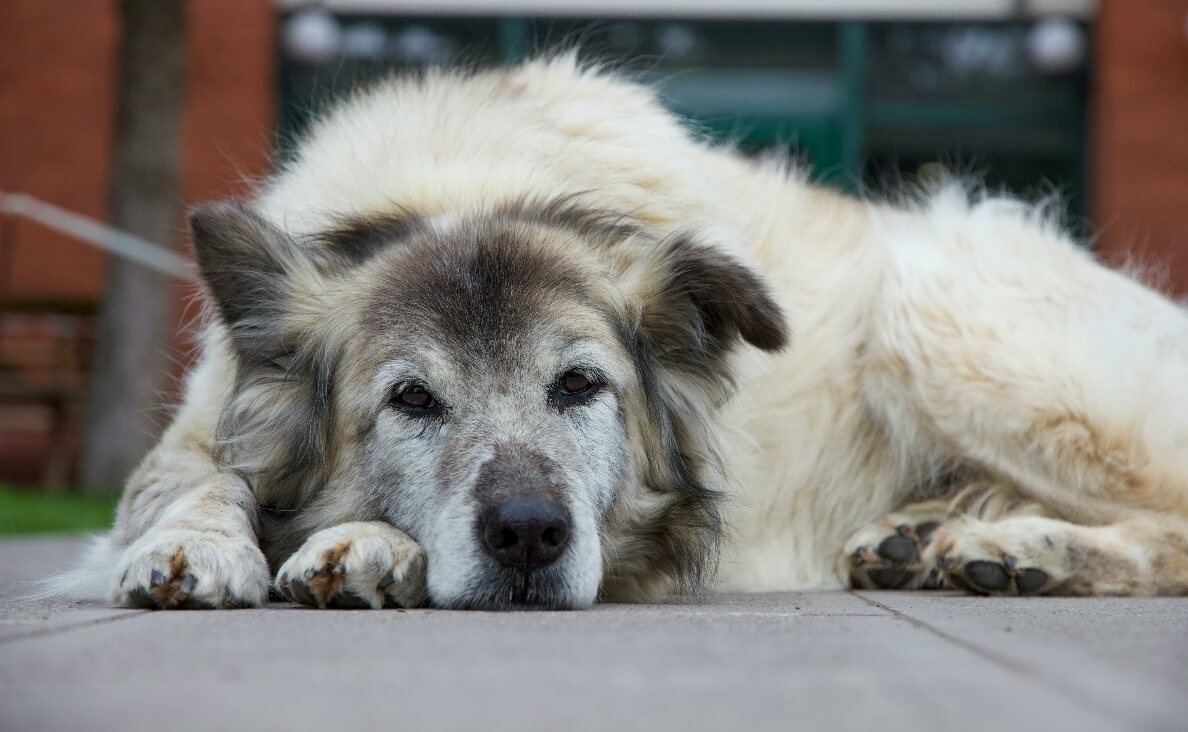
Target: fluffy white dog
(517,338)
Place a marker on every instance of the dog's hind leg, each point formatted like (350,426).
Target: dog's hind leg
(1023,555)
(990,539)
(896,553)
(1004,347)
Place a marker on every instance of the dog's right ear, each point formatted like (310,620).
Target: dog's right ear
(244,260)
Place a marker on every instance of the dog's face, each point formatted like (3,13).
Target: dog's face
(517,390)
(494,419)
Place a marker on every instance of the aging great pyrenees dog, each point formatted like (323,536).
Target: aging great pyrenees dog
(517,339)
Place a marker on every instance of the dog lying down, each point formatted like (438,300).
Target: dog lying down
(517,339)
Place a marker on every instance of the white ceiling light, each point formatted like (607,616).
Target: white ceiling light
(1056,45)
(312,35)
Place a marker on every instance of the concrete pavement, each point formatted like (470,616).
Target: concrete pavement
(882,661)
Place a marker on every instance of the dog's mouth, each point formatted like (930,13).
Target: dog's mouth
(514,589)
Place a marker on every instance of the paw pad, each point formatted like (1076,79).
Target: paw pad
(1030,580)
(894,563)
(898,548)
(986,577)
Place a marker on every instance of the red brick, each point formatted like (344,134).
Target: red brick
(56,124)
(1140,150)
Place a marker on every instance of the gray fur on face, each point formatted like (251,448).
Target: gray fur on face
(488,313)
(489,318)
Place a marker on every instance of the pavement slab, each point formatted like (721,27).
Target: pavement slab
(1124,657)
(788,661)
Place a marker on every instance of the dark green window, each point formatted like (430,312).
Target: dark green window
(867,105)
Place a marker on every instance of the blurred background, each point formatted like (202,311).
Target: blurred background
(127,112)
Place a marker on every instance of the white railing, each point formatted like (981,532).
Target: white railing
(97,233)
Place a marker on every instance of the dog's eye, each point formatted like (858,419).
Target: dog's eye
(573,388)
(574,383)
(416,397)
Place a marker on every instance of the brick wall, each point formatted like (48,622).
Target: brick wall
(57,93)
(231,106)
(57,76)
(57,84)
(1140,151)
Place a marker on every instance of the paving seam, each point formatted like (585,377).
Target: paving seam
(988,655)
(45,632)
(1072,694)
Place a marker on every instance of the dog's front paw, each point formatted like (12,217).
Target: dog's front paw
(367,564)
(186,568)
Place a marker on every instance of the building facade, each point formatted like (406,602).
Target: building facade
(1089,99)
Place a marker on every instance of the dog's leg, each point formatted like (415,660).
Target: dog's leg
(363,564)
(1001,345)
(991,539)
(925,546)
(190,538)
(1024,555)
(895,552)
(184,534)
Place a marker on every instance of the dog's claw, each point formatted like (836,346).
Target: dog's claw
(347,600)
(300,594)
(924,530)
(140,598)
(156,578)
(188,583)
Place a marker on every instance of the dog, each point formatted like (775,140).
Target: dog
(517,338)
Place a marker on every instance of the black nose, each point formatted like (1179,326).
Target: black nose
(525,531)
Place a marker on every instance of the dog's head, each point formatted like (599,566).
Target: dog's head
(528,391)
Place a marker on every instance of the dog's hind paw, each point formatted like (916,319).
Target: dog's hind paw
(1016,556)
(191,569)
(366,564)
(889,554)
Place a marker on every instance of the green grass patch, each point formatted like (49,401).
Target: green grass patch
(31,511)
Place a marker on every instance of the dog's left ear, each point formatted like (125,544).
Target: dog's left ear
(689,305)
(699,301)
